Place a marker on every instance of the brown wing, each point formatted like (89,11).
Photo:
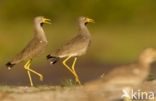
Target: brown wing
(77,46)
(33,48)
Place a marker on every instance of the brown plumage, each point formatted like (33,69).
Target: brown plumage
(130,75)
(75,47)
(33,48)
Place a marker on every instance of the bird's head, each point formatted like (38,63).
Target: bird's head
(42,20)
(148,55)
(85,20)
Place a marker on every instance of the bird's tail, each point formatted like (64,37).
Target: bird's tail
(53,59)
(9,65)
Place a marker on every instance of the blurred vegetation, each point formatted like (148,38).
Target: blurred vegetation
(68,83)
(126,11)
(124,27)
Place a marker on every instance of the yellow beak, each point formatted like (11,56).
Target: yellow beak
(47,21)
(90,20)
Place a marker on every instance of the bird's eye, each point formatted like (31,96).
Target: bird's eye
(41,24)
(86,23)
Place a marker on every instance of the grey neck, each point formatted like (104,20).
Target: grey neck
(83,30)
(39,32)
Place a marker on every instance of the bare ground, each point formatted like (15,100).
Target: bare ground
(14,87)
(57,93)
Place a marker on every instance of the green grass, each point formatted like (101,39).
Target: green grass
(68,83)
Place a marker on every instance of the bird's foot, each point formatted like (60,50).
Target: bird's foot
(77,81)
(31,84)
(41,77)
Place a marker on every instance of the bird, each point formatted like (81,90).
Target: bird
(32,49)
(126,76)
(77,46)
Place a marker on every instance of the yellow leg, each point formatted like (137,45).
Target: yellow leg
(38,74)
(64,62)
(72,70)
(29,75)
(30,79)
(27,67)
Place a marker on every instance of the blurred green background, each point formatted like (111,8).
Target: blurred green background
(122,29)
